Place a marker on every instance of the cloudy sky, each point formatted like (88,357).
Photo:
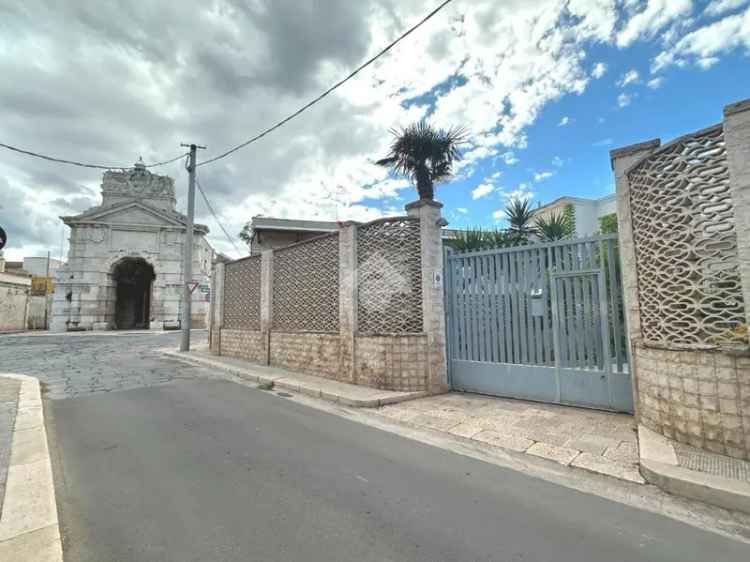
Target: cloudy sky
(545,87)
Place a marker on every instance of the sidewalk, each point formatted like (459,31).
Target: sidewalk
(351,395)
(28,524)
(596,441)
(694,473)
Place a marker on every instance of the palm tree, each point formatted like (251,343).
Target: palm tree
(424,154)
(519,214)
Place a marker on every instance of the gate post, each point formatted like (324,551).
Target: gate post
(347,300)
(266,302)
(216,320)
(433,307)
(737,138)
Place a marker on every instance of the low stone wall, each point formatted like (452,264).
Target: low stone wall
(384,362)
(245,344)
(701,398)
(312,353)
(392,362)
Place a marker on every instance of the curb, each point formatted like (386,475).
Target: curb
(286,381)
(29,527)
(659,467)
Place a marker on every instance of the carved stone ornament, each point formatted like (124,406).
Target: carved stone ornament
(138,182)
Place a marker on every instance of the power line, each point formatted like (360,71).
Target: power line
(329,90)
(83,164)
(211,209)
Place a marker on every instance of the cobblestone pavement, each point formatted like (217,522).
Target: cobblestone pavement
(600,442)
(9,389)
(78,364)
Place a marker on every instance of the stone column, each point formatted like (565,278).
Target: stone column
(621,160)
(433,310)
(347,300)
(217,307)
(737,139)
(266,301)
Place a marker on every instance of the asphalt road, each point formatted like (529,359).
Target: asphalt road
(208,470)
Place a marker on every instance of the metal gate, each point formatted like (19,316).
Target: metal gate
(541,322)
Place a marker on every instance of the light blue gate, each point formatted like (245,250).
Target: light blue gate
(540,322)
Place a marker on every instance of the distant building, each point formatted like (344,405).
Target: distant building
(268,233)
(124,266)
(37,266)
(15,291)
(587,211)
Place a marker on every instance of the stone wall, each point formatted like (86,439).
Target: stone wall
(690,385)
(698,398)
(14,302)
(314,354)
(398,343)
(246,344)
(392,362)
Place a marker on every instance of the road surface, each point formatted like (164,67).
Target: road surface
(190,467)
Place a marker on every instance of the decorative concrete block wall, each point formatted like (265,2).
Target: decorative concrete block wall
(684,234)
(362,305)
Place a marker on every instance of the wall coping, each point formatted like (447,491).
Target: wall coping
(737,107)
(423,203)
(623,151)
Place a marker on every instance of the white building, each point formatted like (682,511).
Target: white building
(587,211)
(124,266)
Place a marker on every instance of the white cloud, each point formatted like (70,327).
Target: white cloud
(702,45)
(462,210)
(509,158)
(623,100)
(719,7)
(603,142)
(564,121)
(557,161)
(599,69)
(655,83)
(630,77)
(541,176)
(482,190)
(499,214)
(656,15)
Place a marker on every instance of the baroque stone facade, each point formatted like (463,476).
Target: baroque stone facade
(124,267)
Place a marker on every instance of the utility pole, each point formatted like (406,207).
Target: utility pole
(187,266)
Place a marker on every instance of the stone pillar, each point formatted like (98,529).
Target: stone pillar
(217,308)
(347,300)
(621,160)
(737,139)
(433,310)
(266,302)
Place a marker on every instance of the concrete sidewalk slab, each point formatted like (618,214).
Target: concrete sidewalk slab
(660,465)
(29,524)
(351,395)
(595,441)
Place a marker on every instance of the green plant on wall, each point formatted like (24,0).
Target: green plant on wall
(608,224)
(569,215)
(473,239)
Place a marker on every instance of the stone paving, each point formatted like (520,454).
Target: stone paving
(9,389)
(79,364)
(596,441)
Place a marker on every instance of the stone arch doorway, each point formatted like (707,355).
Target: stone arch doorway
(133,279)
